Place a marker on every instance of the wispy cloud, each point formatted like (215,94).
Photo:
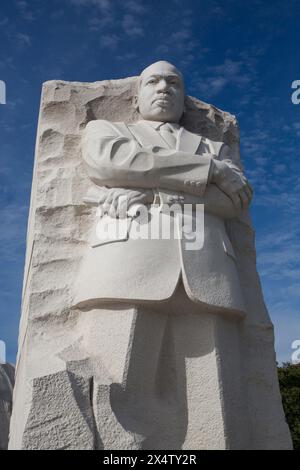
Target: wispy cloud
(25,10)
(179,39)
(135,6)
(279,258)
(286,323)
(13,37)
(278,254)
(132,26)
(124,17)
(127,56)
(23,39)
(217,77)
(109,41)
(296,127)
(101,4)
(99,23)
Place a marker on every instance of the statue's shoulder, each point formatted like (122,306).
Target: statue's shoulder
(214,146)
(207,145)
(104,126)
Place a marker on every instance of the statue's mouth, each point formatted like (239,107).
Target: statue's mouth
(162,99)
(162,96)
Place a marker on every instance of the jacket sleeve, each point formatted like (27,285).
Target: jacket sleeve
(224,153)
(116,160)
(214,199)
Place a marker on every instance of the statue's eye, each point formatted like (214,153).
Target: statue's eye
(151,82)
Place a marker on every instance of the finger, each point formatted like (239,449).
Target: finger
(122,207)
(148,196)
(112,212)
(108,197)
(102,198)
(108,207)
(139,199)
(105,208)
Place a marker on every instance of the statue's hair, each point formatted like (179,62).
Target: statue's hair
(139,79)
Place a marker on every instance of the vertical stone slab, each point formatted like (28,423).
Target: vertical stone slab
(56,372)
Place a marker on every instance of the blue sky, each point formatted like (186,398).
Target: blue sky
(241,56)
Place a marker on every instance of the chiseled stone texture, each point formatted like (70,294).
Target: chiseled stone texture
(55,382)
(7,378)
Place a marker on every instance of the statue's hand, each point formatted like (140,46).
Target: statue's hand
(232,183)
(116,201)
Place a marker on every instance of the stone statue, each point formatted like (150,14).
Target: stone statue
(145,157)
(150,342)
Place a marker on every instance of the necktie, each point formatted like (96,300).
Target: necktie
(168,133)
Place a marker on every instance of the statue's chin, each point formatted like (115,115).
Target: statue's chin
(161,114)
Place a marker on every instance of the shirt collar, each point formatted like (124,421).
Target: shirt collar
(157,124)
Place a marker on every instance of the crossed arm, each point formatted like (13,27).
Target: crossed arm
(116,161)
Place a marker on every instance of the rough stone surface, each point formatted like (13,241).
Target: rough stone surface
(7,373)
(60,378)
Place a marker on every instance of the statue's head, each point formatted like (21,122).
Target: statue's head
(160,94)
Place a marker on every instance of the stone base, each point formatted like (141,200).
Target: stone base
(146,377)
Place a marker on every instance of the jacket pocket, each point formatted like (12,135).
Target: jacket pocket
(110,230)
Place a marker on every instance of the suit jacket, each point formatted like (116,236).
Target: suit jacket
(123,269)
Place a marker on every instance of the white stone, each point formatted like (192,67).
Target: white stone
(138,344)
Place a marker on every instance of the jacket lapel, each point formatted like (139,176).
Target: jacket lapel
(188,142)
(146,135)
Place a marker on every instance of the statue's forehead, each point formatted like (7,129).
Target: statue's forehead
(161,69)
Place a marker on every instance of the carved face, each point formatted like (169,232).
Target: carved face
(161,93)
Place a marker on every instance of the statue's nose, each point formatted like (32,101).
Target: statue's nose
(162,85)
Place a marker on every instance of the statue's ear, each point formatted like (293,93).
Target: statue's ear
(185,104)
(136,102)
(183,115)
